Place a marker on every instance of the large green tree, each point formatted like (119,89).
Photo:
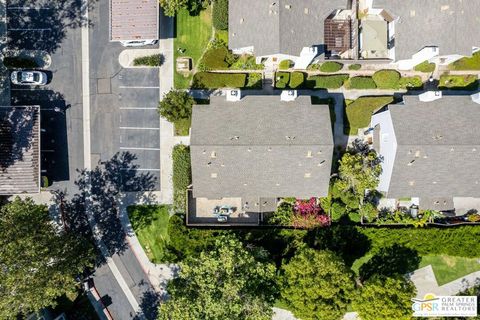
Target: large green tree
(385,298)
(224,283)
(38,263)
(176,105)
(317,285)
(170,7)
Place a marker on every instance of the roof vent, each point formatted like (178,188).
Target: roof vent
(213,154)
(474,149)
(307,175)
(411,162)
(290,137)
(277,184)
(437,137)
(213,175)
(452,149)
(309,154)
(249,149)
(321,163)
(287,6)
(411,183)
(306,10)
(241,20)
(434,182)
(269,149)
(288,95)
(417,154)
(234,138)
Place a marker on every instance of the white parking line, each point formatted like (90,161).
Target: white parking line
(28,8)
(135,108)
(28,29)
(142,169)
(138,148)
(29,89)
(138,128)
(127,87)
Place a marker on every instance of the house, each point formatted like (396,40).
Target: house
(440,31)
(134,20)
(286,29)
(430,151)
(246,154)
(19,150)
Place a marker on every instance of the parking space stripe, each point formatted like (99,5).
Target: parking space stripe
(142,169)
(139,148)
(28,8)
(136,108)
(138,128)
(29,29)
(127,87)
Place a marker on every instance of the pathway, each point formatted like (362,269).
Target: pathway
(425,282)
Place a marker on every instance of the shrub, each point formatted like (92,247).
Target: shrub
(361,83)
(176,105)
(285,64)
(465,82)
(220,14)
(246,62)
(425,66)
(359,112)
(467,63)
(282,79)
(21,63)
(154,60)
(355,66)
(217,58)
(326,82)
(386,79)
(182,176)
(283,215)
(308,214)
(331,66)
(210,80)
(410,82)
(296,79)
(254,81)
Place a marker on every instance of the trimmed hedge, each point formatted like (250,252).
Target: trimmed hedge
(282,79)
(210,80)
(459,82)
(254,81)
(285,64)
(220,14)
(410,82)
(331,66)
(425,66)
(17,62)
(182,176)
(326,82)
(386,79)
(355,66)
(154,60)
(358,113)
(216,58)
(296,79)
(361,83)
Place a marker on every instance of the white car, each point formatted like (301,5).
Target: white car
(138,43)
(28,77)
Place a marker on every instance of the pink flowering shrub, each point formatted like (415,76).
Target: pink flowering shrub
(308,214)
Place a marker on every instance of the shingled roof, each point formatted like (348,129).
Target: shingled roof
(449,24)
(278,27)
(19,150)
(438,148)
(133,20)
(261,147)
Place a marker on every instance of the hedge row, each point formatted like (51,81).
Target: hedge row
(17,62)
(210,80)
(326,82)
(154,60)
(293,80)
(182,176)
(361,83)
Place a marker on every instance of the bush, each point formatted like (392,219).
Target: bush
(359,112)
(425,66)
(465,82)
(285,64)
(282,79)
(220,14)
(210,80)
(254,81)
(154,60)
(386,79)
(361,83)
(326,82)
(182,176)
(331,66)
(176,105)
(354,67)
(467,63)
(21,63)
(283,216)
(410,82)
(246,62)
(217,58)
(296,79)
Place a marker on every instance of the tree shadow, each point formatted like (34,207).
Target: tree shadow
(345,240)
(100,191)
(390,261)
(149,303)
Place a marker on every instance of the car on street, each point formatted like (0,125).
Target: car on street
(28,77)
(138,43)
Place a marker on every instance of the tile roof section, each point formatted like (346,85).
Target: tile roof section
(19,150)
(133,20)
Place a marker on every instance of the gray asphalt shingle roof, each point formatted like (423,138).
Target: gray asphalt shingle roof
(438,148)
(261,147)
(452,25)
(133,20)
(282,26)
(19,150)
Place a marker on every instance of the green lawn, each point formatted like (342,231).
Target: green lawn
(182,127)
(192,35)
(425,66)
(467,63)
(446,268)
(359,112)
(150,223)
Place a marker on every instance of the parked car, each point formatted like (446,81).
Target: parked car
(138,43)
(28,77)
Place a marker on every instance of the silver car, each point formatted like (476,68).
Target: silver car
(28,77)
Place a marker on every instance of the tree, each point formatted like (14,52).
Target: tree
(220,14)
(224,283)
(317,285)
(385,298)
(171,7)
(37,262)
(176,105)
